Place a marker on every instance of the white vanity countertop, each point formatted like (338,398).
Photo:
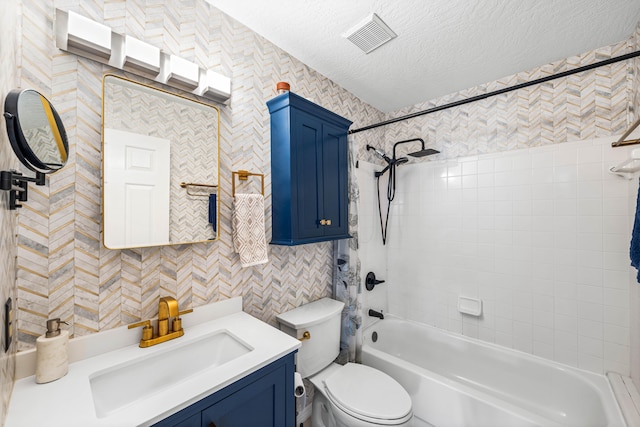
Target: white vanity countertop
(68,401)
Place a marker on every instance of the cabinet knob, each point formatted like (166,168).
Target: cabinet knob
(325,222)
(328,222)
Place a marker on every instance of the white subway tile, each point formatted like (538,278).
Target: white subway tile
(616,334)
(590,190)
(591,311)
(541,159)
(591,154)
(616,279)
(591,346)
(590,207)
(454,169)
(568,324)
(542,175)
(589,172)
(616,261)
(542,191)
(541,349)
(565,207)
(616,316)
(591,363)
(589,328)
(616,206)
(470,167)
(616,242)
(590,241)
(616,353)
(565,173)
(615,188)
(589,224)
(616,225)
(543,209)
(565,190)
(616,297)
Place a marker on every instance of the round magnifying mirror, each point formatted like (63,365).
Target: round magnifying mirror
(36,131)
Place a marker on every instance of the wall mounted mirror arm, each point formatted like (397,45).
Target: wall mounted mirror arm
(38,139)
(17,186)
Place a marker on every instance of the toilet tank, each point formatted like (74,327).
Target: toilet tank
(321,319)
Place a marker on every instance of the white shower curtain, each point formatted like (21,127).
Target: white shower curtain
(346,272)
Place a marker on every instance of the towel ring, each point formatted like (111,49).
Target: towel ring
(243,176)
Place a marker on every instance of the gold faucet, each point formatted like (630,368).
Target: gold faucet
(167,309)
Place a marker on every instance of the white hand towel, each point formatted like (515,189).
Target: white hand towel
(249,239)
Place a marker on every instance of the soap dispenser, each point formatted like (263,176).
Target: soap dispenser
(52,360)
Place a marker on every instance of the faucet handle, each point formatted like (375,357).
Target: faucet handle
(177,321)
(147,330)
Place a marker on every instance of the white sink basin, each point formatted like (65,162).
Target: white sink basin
(124,384)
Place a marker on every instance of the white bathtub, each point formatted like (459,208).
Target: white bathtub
(457,381)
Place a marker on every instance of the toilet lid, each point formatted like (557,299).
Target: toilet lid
(366,392)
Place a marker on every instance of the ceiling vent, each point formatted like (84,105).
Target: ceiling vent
(370,34)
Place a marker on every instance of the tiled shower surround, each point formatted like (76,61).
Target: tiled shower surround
(540,235)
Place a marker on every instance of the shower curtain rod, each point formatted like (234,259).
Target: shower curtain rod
(501,91)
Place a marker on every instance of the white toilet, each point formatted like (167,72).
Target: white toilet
(352,395)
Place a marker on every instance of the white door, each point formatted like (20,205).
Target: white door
(136,189)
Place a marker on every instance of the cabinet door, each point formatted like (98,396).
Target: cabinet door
(335,170)
(307,178)
(192,421)
(261,403)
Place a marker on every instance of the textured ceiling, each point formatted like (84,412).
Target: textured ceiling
(443,46)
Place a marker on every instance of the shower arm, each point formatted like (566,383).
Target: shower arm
(404,142)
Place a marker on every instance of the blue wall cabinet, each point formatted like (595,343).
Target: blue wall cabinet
(264,398)
(309,172)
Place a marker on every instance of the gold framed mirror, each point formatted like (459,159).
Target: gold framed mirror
(160,163)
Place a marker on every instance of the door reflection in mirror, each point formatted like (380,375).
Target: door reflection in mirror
(152,142)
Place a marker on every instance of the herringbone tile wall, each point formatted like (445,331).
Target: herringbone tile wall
(63,269)
(582,106)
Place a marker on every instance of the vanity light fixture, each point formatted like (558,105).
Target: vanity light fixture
(89,39)
(141,55)
(82,36)
(183,72)
(215,85)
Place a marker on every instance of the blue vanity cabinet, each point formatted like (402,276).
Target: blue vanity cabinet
(264,398)
(309,172)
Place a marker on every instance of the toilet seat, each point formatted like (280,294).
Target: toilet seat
(368,394)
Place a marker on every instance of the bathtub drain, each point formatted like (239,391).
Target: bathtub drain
(374,336)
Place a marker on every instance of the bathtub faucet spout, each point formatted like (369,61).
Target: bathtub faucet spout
(377,314)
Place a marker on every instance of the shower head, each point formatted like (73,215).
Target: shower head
(379,153)
(421,153)
(400,160)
